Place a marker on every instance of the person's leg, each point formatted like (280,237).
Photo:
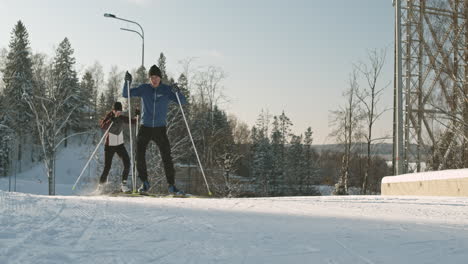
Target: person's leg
(165,149)
(108,154)
(143,138)
(123,155)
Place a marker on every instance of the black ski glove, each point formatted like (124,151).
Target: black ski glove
(128,77)
(175,88)
(137,112)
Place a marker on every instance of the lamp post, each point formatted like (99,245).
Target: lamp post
(142,34)
(398,95)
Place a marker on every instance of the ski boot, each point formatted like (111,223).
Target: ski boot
(99,189)
(123,187)
(174,191)
(144,187)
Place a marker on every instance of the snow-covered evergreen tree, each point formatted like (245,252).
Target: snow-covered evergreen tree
(89,91)
(277,153)
(66,86)
(7,138)
(141,76)
(17,77)
(295,166)
(310,157)
(280,134)
(102,107)
(162,67)
(262,160)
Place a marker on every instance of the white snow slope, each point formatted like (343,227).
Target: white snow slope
(353,229)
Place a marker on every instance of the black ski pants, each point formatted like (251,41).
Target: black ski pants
(109,152)
(159,136)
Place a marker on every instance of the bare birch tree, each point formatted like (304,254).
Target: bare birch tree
(346,122)
(369,98)
(51,118)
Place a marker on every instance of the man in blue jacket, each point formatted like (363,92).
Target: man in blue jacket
(155,99)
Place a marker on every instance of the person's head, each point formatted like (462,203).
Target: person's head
(117,109)
(154,76)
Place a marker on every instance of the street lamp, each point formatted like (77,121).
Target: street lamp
(142,34)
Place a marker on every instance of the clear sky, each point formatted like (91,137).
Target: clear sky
(293,55)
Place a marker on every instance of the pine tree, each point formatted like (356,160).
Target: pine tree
(162,67)
(67,87)
(295,165)
(6,148)
(310,156)
(18,80)
(280,135)
(102,107)
(182,81)
(262,159)
(89,90)
(277,151)
(3,58)
(141,76)
(285,125)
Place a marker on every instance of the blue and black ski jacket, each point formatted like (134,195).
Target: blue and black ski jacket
(154,101)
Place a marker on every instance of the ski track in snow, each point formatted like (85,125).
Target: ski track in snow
(335,230)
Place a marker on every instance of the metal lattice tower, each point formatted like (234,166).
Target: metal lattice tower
(431,108)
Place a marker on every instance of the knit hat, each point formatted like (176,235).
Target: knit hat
(154,70)
(117,106)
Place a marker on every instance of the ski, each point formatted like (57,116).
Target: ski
(130,194)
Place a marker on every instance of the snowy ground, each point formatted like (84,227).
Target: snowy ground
(354,229)
(327,229)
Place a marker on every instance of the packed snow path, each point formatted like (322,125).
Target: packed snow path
(354,229)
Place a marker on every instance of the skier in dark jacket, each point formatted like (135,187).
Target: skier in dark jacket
(155,99)
(115,144)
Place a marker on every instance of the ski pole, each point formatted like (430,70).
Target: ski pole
(92,155)
(193,143)
(136,136)
(131,139)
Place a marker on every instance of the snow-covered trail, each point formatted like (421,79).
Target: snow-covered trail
(354,229)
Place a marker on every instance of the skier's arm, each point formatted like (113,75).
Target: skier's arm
(125,119)
(134,92)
